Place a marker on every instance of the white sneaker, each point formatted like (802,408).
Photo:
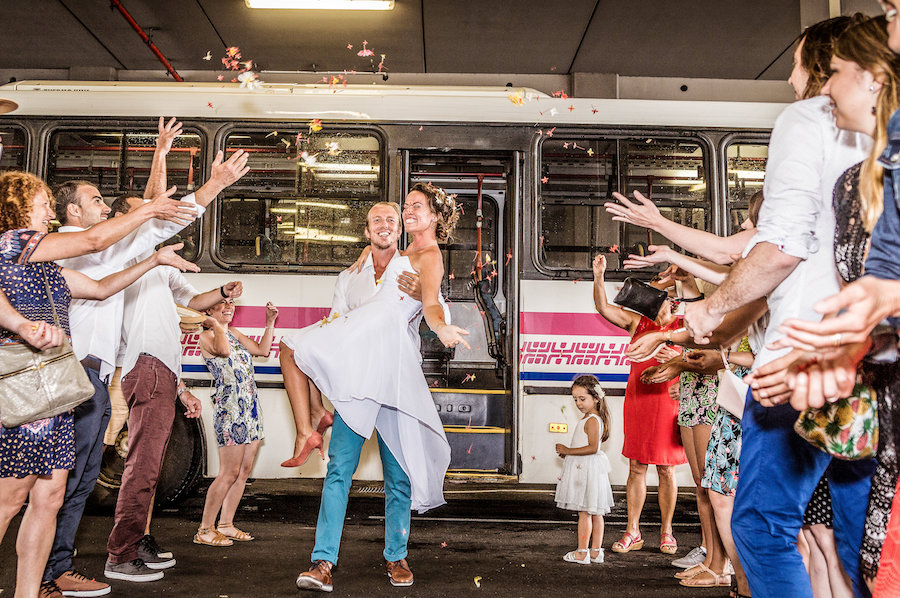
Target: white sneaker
(691,559)
(571,558)
(599,557)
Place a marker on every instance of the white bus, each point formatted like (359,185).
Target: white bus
(532,172)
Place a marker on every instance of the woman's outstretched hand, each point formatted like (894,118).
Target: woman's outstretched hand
(599,266)
(452,335)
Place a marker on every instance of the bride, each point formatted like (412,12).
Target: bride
(365,362)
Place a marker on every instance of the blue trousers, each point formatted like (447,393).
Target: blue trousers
(778,473)
(343,457)
(91,419)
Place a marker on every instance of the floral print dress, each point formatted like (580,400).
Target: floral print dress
(39,447)
(237,419)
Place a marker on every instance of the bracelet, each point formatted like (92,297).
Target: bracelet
(700,297)
(222,292)
(181,391)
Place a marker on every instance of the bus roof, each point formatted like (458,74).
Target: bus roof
(371,103)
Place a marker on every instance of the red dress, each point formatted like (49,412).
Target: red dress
(651,434)
(887,584)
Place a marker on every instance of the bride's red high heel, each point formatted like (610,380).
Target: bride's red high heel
(324,423)
(312,443)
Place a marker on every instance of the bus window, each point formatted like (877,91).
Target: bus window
(304,201)
(460,251)
(12,148)
(117,161)
(746,170)
(578,175)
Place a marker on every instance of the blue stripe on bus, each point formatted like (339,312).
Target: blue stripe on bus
(569,376)
(201,369)
(546,376)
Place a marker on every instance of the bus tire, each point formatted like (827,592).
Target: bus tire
(180,471)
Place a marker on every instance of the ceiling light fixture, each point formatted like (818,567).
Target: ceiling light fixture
(323,4)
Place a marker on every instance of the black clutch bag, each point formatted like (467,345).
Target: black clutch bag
(639,296)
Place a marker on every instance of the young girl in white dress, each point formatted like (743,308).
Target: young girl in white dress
(584,484)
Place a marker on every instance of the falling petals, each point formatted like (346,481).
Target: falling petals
(469,378)
(614,249)
(478,579)
(517,98)
(560,94)
(443,545)
(208,55)
(571,107)
(315,125)
(272,134)
(365,51)
(545,179)
(590,151)
(509,256)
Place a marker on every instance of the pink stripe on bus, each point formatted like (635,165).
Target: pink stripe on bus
(563,323)
(253,316)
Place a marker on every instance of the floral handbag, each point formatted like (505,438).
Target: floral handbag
(846,429)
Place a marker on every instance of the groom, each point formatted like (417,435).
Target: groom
(352,289)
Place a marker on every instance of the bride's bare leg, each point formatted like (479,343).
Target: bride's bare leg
(297,386)
(320,416)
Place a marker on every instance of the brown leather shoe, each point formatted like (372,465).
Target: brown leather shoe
(317,578)
(399,573)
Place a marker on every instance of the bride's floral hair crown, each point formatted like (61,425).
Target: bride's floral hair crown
(442,204)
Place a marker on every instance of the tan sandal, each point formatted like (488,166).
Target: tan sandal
(628,542)
(233,532)
(218,538)
(707,578)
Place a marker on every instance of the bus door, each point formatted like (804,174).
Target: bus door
(471,387)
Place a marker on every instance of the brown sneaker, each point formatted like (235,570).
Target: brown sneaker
(73,583)
(399,573)
(49,589)
(317,578)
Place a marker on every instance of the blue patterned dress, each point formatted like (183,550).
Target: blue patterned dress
(237,418)
(36,448)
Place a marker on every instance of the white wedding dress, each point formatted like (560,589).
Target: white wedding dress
(368,366)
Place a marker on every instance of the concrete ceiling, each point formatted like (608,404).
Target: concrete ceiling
(652,38)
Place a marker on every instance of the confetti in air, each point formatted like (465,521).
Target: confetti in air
(508,257)
(272,134)
(349,46)
(208,55)
(469,378)
(478,581)
(614,249)
(469,452)
(560,94)
(517,98)
(545,179)
(365,51)
(315,125)
(443,545)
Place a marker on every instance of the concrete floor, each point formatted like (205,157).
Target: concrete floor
(512,541)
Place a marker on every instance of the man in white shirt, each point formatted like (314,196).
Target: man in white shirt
(151,379)
(790,259)
(351,290)
(96,328)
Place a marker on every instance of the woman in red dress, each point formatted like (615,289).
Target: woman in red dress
(651,435)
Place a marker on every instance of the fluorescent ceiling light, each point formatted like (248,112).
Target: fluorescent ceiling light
(324,4)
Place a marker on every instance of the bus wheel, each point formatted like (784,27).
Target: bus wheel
(180,472)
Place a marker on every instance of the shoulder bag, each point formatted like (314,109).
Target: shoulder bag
(39,384)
